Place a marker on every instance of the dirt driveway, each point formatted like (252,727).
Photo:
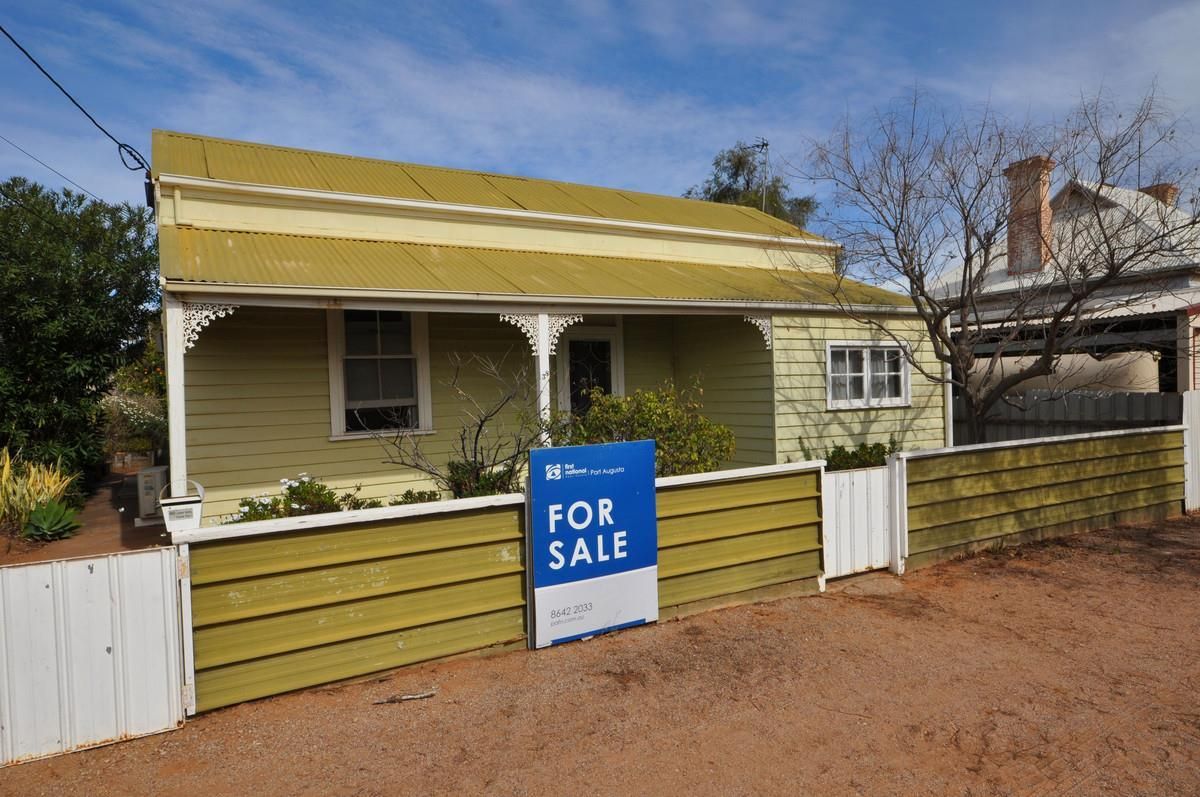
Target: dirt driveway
(1068,668)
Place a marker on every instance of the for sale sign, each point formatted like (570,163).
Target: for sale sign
(593,540)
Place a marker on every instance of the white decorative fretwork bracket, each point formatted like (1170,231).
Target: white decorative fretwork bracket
(198,315)
(527,323)
(763,322)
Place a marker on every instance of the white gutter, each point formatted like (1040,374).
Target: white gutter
(318,296)
(490,213)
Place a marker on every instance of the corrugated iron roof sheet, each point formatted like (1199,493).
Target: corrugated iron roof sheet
(191,254)
(240,161)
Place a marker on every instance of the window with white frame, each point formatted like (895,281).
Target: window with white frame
(378,371)
(866,375)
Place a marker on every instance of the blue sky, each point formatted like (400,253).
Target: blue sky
(627,94)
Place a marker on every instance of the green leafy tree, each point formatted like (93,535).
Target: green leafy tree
(78,281)
(737,179)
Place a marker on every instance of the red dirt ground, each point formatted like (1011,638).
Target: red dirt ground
(108,527)
(1062,668)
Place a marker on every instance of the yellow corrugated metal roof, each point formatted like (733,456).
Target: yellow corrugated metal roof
(197,255)
(241,161)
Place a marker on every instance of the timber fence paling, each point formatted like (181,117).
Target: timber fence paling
(1042,413)
(960,498)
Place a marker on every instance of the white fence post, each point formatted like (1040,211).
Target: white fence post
(898,526)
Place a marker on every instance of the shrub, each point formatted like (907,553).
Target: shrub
(686,441)
(415,497)
(469,479)
(26,485)
(865,455)
(52,520)
(307,495)
(136,422)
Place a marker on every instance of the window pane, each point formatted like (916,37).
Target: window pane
(877,360)
(856,385)
(878,386)
(375,418)
(395,333)
(398,378)
(361,332)
(855,358)
(362,380)
(837,361)
(589,366)
(840,390)
(894,386)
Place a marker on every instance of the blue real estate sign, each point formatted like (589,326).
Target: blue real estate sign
(593,539)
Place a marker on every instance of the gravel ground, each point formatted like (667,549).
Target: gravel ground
(1062,668)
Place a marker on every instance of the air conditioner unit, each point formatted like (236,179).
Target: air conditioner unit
(150,482)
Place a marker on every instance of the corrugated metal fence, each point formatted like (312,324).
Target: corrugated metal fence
(857,515)
(1043,413)
(281,605)
(89,652)
(962,499)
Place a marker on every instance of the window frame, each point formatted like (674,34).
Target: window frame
(868,402)
(335,325)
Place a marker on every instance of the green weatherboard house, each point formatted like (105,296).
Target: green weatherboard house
(311,298)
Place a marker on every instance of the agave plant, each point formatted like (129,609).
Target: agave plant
(26,485)
(52,520)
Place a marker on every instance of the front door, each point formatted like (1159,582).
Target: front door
(589,358)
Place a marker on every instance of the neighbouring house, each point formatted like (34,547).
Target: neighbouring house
(312,298)
(1140,334)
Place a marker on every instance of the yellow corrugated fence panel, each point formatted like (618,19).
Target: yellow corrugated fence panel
(282,611)
(960,499)
(723,538)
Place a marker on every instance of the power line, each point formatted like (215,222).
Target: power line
(51,168)
(124,149)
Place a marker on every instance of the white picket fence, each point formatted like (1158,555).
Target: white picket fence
(856,521)
(89,652)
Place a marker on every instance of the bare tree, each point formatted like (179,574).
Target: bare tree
(954,210)
(500,426)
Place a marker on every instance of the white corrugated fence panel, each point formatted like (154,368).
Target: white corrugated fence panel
(89,652)
(1191,454)
(856,521)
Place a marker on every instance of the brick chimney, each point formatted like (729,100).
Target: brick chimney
(1029,214)
(1165,193)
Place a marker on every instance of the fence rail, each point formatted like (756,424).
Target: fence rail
(1044,413)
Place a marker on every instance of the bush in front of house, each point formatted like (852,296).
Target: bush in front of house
(864,455)
(685,440)
(308,495)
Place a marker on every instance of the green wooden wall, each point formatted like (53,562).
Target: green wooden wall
(802,415)
(961,501)
(734,367)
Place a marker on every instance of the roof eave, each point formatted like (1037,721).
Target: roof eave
(333,296)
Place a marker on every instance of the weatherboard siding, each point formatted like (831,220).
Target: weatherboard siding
(730,360)
(802,418)
(961,501)
(257,387)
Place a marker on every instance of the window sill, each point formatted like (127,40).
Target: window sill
(892,405)
(386,433)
